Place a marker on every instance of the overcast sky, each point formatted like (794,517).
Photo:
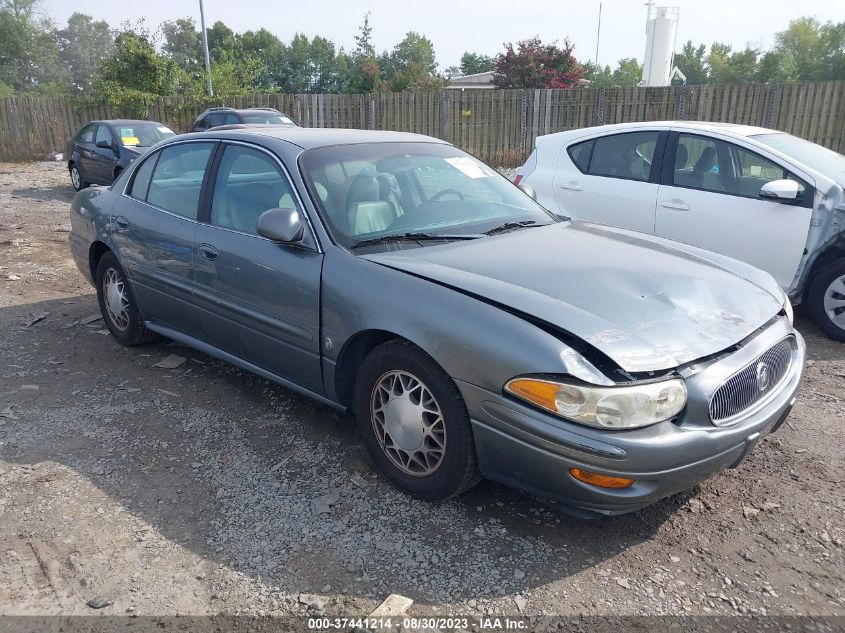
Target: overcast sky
(478,25)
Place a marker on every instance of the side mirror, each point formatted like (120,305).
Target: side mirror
(104,144)
(280,225)
(780,191)
(528,190)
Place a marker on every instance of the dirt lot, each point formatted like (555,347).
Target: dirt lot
(203,489)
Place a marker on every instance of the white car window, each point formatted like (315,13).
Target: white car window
(627,155)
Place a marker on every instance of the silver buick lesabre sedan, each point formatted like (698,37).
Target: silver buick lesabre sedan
(470,332)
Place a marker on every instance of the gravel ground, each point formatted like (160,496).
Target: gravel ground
(203,489)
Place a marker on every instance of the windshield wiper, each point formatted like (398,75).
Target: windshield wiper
(509,226)
(413,237)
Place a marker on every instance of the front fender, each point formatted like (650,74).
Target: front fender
(473,341)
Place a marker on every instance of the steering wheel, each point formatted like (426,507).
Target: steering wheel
(446,192)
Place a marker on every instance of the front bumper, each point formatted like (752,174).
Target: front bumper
(528,449)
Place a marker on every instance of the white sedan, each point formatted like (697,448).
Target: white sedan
(761,196)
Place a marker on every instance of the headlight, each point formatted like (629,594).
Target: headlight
(787,307)
(618,407)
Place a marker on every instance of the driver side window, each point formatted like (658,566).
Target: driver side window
(249,182)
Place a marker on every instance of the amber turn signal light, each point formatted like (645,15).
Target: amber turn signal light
(602,481)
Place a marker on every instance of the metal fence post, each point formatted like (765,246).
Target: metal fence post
(772,102)
(444,119)
(371,112)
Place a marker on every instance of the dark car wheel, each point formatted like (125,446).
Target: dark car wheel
(414,423)
(826,300)
(76,178)
(117,303)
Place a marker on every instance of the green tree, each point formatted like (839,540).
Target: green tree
(411,65)
(690,61)
(474,63)
(365,74)
(29,53)
(742,67)
(598,76)
(777,65)
(802,41)
(136,73)
(83,46)
(533,64)
(717,62)
(628,73)
(183,44)
(270,54)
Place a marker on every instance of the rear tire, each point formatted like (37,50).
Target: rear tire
(76,178)
(118,304)
(826,300)
(414,423)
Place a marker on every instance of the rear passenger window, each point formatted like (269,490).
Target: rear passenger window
(141,180)
(626,155)
(177,178)
(249,182)
(580,155)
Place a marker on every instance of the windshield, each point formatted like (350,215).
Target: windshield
(142,134)
(267,119)
(375,190)
(814,156)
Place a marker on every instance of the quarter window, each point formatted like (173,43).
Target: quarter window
(141,181)
(177,179)
(580,155)
(627,156)
(249,182)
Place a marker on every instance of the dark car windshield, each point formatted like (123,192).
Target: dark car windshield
(267,119)
(373,190)
(141,134)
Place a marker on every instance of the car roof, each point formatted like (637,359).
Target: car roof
(269,109)
(125,121)
(309,138)
(735,129)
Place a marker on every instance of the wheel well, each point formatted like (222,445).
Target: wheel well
(833,253)
(352,356)
(95,253)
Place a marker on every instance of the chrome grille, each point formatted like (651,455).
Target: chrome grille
(752,383)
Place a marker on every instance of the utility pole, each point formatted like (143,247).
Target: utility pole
(598,38)
(208,86)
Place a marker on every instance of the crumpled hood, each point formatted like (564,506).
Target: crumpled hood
(647,303)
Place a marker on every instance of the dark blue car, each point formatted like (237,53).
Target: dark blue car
(102,149)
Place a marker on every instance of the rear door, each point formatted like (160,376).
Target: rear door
(153,226)
(710,198)
(259,300)
(611,179)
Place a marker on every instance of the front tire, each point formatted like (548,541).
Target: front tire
(118,304)
(826,300)
(76,178)
(414,423)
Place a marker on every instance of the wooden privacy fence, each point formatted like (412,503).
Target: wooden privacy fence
(499,126)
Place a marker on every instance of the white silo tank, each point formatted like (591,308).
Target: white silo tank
(661,29)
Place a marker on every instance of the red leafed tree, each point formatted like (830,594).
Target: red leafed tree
(537,65)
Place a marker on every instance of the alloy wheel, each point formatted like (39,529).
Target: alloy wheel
(116,298)
(75,178)
(408,423)
(834,301)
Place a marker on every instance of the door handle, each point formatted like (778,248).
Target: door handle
(207,251)
(571,186)
(121,224)
(677,205)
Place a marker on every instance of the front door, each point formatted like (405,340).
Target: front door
(611,179)
(260,300)
(154,225)
(103,159)
(711,199)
